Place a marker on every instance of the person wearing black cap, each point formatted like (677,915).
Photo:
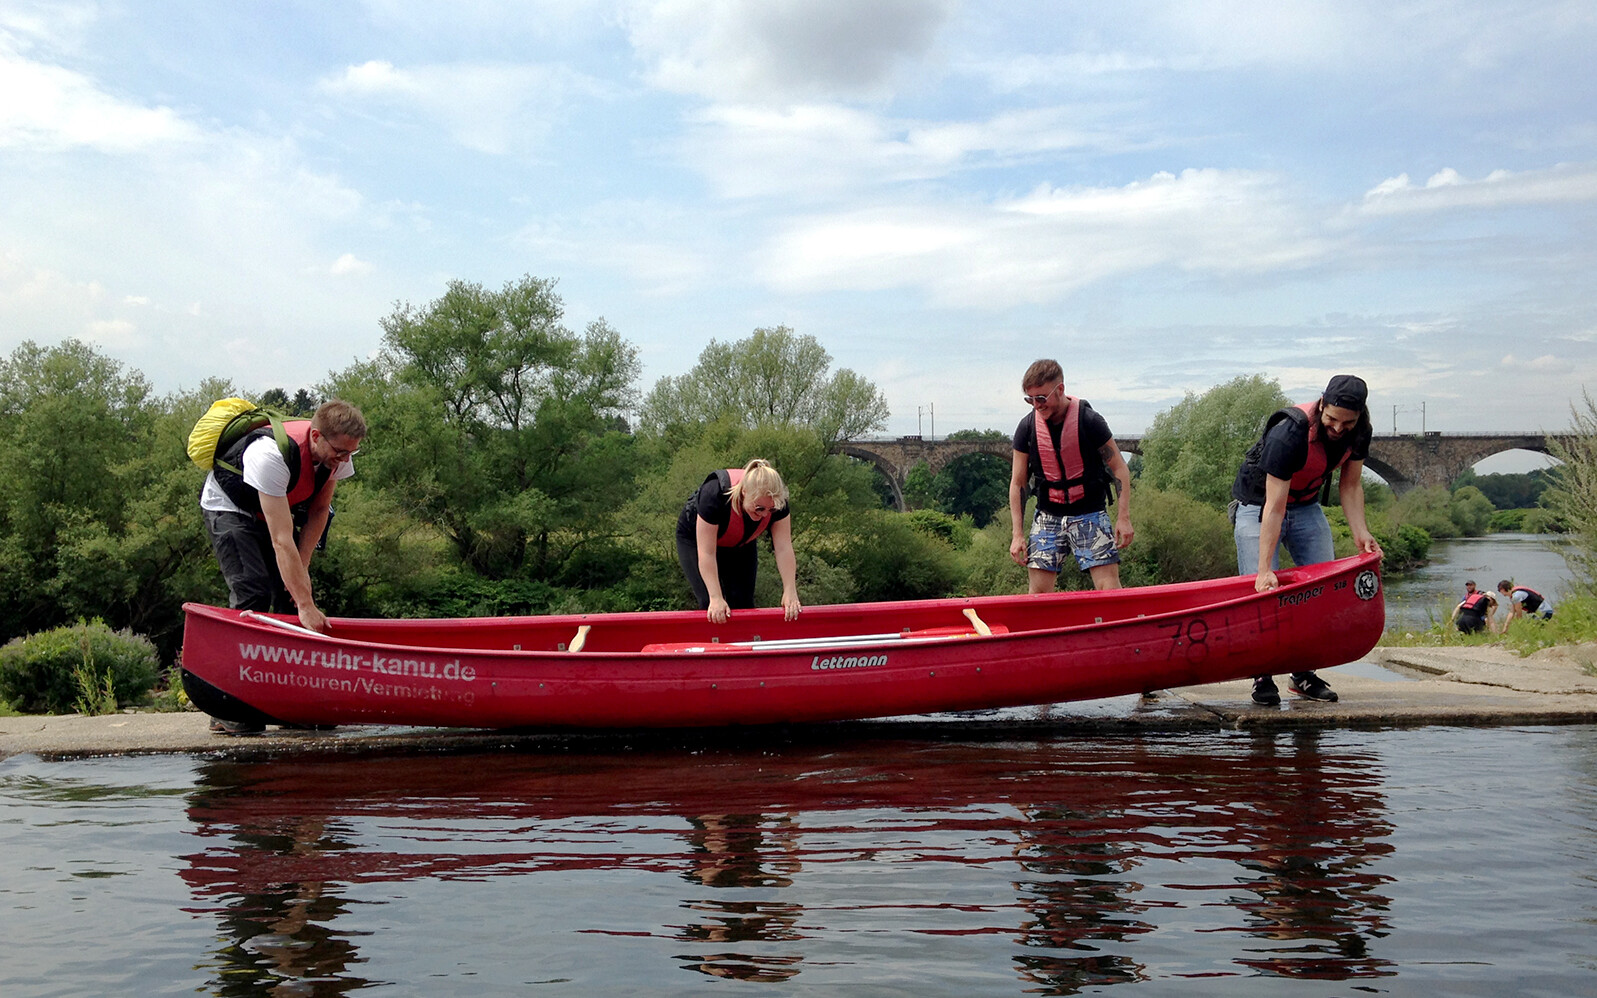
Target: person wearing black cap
(1475,611)
(1278,493)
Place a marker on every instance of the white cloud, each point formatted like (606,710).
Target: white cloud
(490,107)
(742,51)
(349,264)
(1447,190)
(1546,362)
(1045,245)
(50,108)
(814,149)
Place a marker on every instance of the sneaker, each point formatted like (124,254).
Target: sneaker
(222,727)
(1307,684)
(1264,691)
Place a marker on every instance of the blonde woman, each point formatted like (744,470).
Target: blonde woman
(716,533)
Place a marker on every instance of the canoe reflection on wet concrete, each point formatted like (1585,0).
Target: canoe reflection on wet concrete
(1064,860)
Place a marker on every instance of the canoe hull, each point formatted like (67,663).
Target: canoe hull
(835,663)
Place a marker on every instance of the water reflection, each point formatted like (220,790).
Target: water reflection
(278,932)
(1064,858)
(742,851)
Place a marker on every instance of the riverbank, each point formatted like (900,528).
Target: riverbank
(1391,687)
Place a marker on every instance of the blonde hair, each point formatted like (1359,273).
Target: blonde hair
(759,479)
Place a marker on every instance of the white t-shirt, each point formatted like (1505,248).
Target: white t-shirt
(265,471)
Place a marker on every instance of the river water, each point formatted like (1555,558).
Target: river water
(1415,599)
(1428,862)
(1438,861)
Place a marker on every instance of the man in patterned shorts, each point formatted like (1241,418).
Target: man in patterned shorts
(1066,451)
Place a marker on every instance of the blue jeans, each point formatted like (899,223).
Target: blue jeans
(1305,533)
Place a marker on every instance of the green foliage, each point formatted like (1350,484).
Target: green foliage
(1573,622)
(169,696)
(1470,511)
(973,485)
(951,530)
(40,673)
(96,692)
(1429,509)
(98,516)
(1541,521)
(1404,547)
(1572,497)
(495,425)
(773,378)
(1516,491)
(1377,495)
(985,566)
(890,560)
(924,490)
(301,405)
(1196,446)
(1179,539)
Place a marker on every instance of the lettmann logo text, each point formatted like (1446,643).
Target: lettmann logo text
(847,662)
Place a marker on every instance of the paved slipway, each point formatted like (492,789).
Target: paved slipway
(1392,687)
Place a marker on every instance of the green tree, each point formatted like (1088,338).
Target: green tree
(1196,446)
(301,404)
(1572,496)
(1470,511)
(496,425)
(773,378)
(1429,508)
(98,517)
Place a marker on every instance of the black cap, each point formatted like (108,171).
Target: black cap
(1346,391)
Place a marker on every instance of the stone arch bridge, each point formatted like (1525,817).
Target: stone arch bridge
(1404,460)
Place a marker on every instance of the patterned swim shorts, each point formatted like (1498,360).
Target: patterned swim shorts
(1090,537)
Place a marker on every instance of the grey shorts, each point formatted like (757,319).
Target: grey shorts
(1090,537)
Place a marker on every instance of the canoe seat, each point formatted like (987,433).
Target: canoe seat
(580,639)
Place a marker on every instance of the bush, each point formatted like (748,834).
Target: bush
(1178,539)
(37,671)
(955,531)
(889,559)
(1403,548)
(1508,520)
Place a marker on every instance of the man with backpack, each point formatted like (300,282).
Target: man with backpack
(267,502)
(1068,451)
(1277,495)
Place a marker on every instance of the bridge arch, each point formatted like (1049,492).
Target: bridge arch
(1404,460)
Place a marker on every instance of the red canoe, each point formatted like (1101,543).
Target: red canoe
(843,662)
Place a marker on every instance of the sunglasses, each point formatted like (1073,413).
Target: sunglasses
(1036,400)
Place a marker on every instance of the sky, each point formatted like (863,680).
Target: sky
(1161,195)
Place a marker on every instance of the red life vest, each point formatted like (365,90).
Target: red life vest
(305,477)
(1475,602)
(1307,481)
(1063,472)
(732,532)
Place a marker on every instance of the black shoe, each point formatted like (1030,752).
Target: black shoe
(222,727)
(1307,684)
(1264,691)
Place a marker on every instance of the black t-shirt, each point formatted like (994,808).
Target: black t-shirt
(715,506)
(1093,433)
(1286,448)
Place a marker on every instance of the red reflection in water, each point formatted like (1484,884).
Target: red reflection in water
(1068,830)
